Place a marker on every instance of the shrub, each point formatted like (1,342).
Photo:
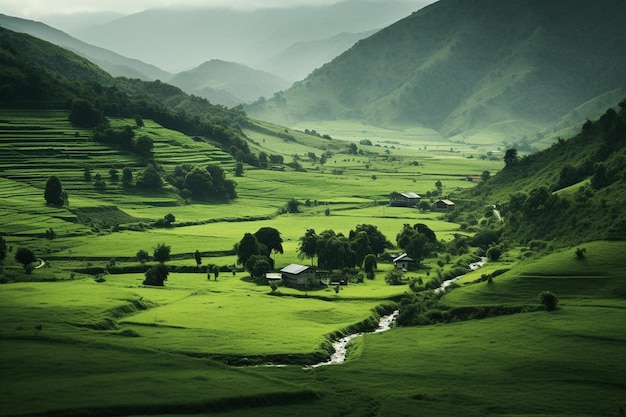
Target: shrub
(549,300)
(394,277)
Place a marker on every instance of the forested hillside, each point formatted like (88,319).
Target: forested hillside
(475,70)
(568,194)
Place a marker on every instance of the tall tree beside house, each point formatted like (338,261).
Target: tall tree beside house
(270,240)
(247,247)
(307,248)
(53,193)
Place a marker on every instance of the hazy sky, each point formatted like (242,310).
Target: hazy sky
(33,9)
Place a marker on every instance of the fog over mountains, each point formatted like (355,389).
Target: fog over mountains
(181,39)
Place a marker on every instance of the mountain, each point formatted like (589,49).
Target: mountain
(228,83)
(474,70)
(180,39)
(113,63)
(298,60)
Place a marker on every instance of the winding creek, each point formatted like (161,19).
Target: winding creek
(384,324)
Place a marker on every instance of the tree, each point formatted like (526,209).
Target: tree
(485,176)
(150,178)
(156,275)
(307,248)
(293,206)
(53,191)
(198,258)
(127,177)
(362,247)
(113,175)
(494,253)
(144,146)
(87,174)
(370,264)
(418,241)
(200,183)
(257,266)
(510,157)
(248,246)
(216,272)
(3,248)
(161,253)
(239,169)
(169,218)
(142,256)
(377,239)
(270,239)
(438,186)
(139,121)
(25,256)
(549,300)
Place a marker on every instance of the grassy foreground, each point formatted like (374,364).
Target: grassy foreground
(70,346)
(567,362)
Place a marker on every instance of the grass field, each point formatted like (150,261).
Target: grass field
(71,346)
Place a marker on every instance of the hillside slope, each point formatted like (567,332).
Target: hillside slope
(568,194)
(470,67)
(115,64)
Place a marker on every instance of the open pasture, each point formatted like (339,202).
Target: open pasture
(596,279)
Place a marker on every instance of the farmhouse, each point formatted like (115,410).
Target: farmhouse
(474,177)
(403,262)
(442,205)
(405,199)
(299,276)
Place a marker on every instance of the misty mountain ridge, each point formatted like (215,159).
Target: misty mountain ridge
(228,83)
(300,59)
(181,39)
(471,69)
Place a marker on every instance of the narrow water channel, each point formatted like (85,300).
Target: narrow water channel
(384,324)
(340,345)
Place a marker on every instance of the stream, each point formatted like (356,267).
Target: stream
(340,345)
(384,324)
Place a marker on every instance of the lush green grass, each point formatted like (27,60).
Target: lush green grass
(117,347)
(597,279)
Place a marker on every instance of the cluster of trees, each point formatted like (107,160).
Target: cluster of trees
(254,250)
(337,251)
(418,241)
(203,184)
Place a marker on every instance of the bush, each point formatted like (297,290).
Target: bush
(549,300)
(394,277)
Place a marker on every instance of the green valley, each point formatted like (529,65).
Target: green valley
(153,247)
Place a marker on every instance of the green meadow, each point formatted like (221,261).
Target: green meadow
(74,345)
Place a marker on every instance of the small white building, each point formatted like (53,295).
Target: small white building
(403,262)
(299,276)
